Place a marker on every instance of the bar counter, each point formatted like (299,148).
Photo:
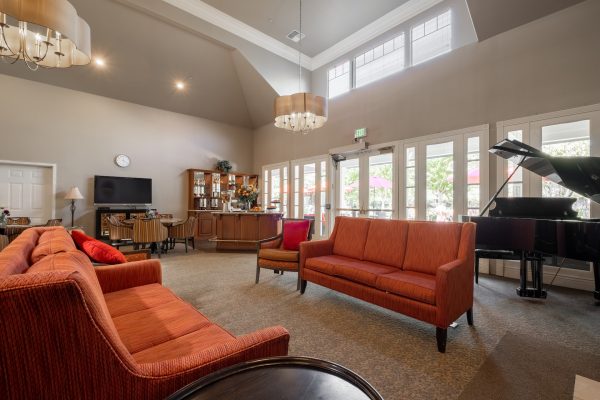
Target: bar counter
(242,230)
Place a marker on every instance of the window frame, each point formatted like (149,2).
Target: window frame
(350,77)
(424,22)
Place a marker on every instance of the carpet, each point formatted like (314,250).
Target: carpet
(525,367)
(395,353)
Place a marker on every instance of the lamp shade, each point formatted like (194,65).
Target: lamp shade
(74,194)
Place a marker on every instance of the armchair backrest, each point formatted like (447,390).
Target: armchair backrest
(117,230)
(54,222)
(149,231)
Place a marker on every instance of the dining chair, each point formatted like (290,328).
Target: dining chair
(183,233)
(54,222)
(150,231)
(119,234)
(3,241)
(161,215)
(18,221)
(271,253)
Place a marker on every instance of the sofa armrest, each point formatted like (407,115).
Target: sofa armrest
(268,342)
(453,291)
(127,275)
(314,249)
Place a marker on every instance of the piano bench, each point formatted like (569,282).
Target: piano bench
(494,255)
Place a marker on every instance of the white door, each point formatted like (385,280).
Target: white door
(276,188)
(27,191)
(367,185)
(310,193)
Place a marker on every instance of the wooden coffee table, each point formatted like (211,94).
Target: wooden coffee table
(290,378)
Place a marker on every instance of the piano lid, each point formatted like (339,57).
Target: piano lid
(579,174)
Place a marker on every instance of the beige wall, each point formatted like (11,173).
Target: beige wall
(548,65)
(82,133)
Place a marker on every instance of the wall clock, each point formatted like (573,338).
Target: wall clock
(122,160)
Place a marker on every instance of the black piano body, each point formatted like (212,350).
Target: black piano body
(528,228)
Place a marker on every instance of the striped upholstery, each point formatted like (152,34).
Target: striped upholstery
(149,231)
(423,269)
(3,242)
(71,331)
(18,221)
(184,230)
(117,231)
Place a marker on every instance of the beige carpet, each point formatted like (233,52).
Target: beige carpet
(396,354)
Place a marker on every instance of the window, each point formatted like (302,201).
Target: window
(380,62)
(440,182)
(339,79)
(473,176)
(515,184)
(432,38)
(565,140)
(410,180)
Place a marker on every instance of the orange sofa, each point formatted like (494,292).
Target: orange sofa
(72,331)
(420,269)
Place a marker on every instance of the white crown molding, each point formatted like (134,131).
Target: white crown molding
(224,21)
(378,27)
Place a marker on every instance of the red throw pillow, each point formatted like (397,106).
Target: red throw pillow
(294,233)
(96,250)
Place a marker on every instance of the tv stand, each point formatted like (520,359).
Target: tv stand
(125,212)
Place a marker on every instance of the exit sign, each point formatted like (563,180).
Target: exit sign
(360,133)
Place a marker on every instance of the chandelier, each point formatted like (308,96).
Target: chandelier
(300,112)
(43,33)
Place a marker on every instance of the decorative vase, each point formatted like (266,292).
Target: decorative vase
(248,205)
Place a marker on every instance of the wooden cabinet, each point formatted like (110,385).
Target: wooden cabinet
(206,226)
(241,231)
(206,186)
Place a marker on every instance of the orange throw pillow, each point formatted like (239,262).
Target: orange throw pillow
(96,250)
(294,233)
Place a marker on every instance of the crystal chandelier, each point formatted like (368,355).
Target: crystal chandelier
(43,33)
(300,112)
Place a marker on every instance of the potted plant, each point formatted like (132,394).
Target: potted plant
(224,166)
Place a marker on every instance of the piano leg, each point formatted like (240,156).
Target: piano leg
(523,284)
(596,266)
(537,277)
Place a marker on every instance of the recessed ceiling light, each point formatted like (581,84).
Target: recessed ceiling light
(99,62)
(179,85)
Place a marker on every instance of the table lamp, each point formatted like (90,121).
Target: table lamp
(73,194)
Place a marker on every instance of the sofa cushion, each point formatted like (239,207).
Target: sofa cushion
(279,255)
(364,272)
(192,343)
(431,245)
(294,233)
(52,242)
(386,242)
(137,298)
(98,251)
(350,237)
(73,260)
(414,285)
(324,264)
(143,329)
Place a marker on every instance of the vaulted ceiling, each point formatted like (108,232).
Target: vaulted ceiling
(149,44)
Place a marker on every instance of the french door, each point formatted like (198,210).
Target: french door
(310,188)
(367,185)
(275,191)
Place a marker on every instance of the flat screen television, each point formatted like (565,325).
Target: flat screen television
(120,190)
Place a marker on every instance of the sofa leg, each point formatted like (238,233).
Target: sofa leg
(441,335)
(257,273)
(303,286)
(470,316)
(298,283)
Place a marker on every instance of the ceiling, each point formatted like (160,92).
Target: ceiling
(492,17)
(325,23)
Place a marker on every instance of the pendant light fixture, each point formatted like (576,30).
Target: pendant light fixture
(302,111)
(43,33)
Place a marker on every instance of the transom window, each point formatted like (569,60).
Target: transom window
(382,61)
(339,79)
(432,38)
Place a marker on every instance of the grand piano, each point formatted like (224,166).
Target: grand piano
(527,229)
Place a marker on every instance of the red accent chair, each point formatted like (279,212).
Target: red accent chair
(420,269)
(72,331)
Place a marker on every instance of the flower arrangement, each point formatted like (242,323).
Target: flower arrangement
(224,166)
(225,197)
(4,214)
(247,193)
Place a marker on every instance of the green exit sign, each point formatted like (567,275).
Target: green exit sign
(360,133)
